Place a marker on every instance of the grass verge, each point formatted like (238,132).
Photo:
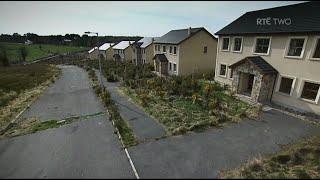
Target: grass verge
(121,125)
(299,160)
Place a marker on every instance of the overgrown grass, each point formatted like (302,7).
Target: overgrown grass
(123,127)
(36,51)
(21,84)
(300,160)
(181,114)
(32,125)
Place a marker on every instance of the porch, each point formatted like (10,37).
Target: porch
(160,64)
(253,78)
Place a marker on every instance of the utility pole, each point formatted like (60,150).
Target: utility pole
(99,58)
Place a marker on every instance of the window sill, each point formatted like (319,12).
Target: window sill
(293,57)
(283,94)
(315,59)
(225,50)
(261,54)
(223,76)
(236,51)
(308,100)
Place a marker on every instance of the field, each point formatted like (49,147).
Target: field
(20,84)
(36,51)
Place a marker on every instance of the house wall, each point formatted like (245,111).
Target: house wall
(193,59)
(109,54)
(128,53)
(302,69)
(93,55)
(149,54)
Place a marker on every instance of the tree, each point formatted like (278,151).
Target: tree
(23,53)
(3,57)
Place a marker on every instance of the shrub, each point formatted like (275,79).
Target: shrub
(282,158)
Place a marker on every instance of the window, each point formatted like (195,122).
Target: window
(134,50)
(286,85)
(223,70)
(262,46)
(174,50)
(164,49)
(225,43)
(316,49)
(155,47)
(174,67)
(295,48)
(237,44)
(159,48)
(205,49)
(170,50)
(170,66)
(310,91)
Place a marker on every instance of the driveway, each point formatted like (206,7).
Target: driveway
(143,126)
(83,149)
(203,155)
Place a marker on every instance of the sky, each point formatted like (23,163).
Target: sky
(127,18)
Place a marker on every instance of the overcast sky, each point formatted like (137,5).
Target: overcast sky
(140,18)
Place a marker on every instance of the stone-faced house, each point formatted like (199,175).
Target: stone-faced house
(273,55)
(143,50)
(123,51)
(184,52)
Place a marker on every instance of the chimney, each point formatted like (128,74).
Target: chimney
(129,42)
(189,31)
(152,39)
(110,44)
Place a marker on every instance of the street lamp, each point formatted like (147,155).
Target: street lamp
(100,71)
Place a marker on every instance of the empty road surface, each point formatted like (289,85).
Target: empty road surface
(83,149)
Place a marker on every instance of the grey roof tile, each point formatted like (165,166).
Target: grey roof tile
(305,17)
(262,65)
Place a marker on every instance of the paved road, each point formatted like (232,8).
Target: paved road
(143,126)
(202,155)
(83,149)
(71,95)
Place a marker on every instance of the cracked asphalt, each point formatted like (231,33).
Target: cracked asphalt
(83,149)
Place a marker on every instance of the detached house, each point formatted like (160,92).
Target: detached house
(93,53)
(143,50)
(273,55)
(123,51)
(185,51)
(106,51)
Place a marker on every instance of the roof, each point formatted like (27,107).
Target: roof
(91,50)
(105,46)
(122,45)
(160,57)
(304,17)
(263,66)
(179,35)
(146,41)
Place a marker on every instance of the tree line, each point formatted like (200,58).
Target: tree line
(67,39)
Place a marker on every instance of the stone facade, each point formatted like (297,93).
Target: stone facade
(262,83)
